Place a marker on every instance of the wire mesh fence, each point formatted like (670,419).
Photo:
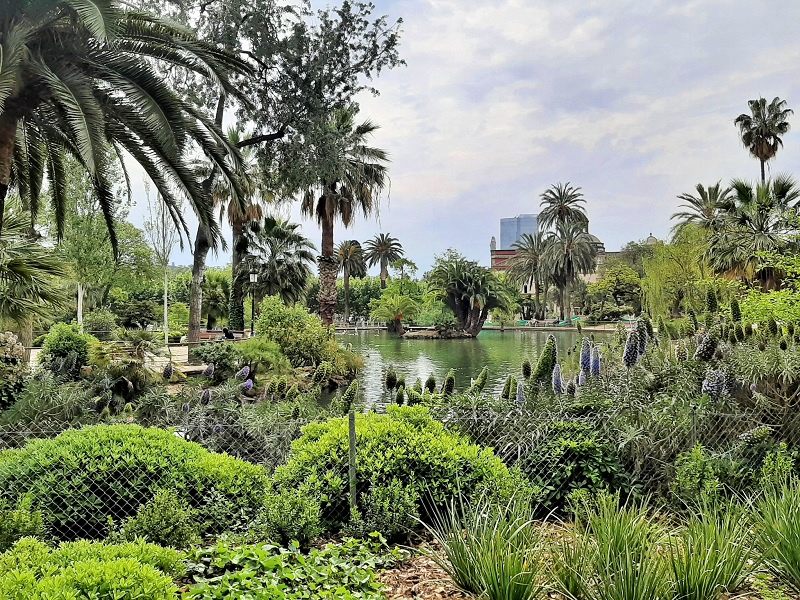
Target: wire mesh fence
(91,496)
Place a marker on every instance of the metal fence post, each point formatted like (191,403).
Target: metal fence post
(693,427)
(351,471)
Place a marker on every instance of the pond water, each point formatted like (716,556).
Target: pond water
(502,352)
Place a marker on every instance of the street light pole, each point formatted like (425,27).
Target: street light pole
(253,281)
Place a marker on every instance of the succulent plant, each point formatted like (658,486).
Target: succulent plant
(527,370)
(557,381)
(706,347)
(631,354)
(586,355)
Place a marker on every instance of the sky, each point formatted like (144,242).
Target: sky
(632,101)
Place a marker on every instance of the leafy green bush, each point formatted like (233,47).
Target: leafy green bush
(225,356)
(166,520)
(13,368)
(33,571)
(265,355)
(66,350)
(570,456)
(404,445)
(18,522)
(46,400)
(388,509)
(83,478)
(101,323)
(289,516)
(696,480)
(302,337)
(343,571)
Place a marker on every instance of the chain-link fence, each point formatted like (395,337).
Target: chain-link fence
(88,489)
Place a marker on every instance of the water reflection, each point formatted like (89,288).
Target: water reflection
(502,352)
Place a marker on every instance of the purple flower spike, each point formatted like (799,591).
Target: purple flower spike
(205,397)
(244,372)
(247,385)
(209,370)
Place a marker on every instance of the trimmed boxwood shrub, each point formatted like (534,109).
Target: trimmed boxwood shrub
(33,571)
(405,445)
(83,479)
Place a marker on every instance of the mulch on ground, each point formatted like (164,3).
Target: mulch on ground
(419,577)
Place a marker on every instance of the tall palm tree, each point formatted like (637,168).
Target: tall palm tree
(571,251)
(762,129)
(281,256)
(562,203)
(351,177)
(216,291)
(706,209)
(383,249)
(78,78)
(350,258)
(760,220)
(527,267)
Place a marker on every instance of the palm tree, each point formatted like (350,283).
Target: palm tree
(760,220)
(79,79)
(350,258)
(216,291)
(351,176)
(762,129)
(281,256)
(706,208)
(394,309)
(383,249)
(526,267)
(562,204)
(469,290)
(571,251)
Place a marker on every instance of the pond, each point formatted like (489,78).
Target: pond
(502,352)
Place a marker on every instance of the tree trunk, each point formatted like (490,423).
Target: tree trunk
(80,306)
(346,296)
(398,327)
(328,269)
(166,305)
(201,248)
(236,309)
(8,130)
(763,177)
(384,275)
(26,337)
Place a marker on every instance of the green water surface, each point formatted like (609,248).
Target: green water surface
(502,352)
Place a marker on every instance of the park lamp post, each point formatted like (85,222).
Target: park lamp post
(253,281)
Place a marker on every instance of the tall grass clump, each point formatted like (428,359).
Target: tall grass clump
(490,550)
(613,553)
(711,554)
(777,526)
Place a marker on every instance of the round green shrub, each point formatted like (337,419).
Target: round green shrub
(404,445)
(83,479)
(13,369)
(166,520)
(33,571)
(66,349)
(101,323)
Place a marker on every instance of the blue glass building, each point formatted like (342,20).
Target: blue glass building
(511,230)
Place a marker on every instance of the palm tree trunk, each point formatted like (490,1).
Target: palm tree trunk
(236,308)
(763,177)
(328,269)
(166,305)
(8,130)
(384,274)
(346,295)
(398,327)
(201,248)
